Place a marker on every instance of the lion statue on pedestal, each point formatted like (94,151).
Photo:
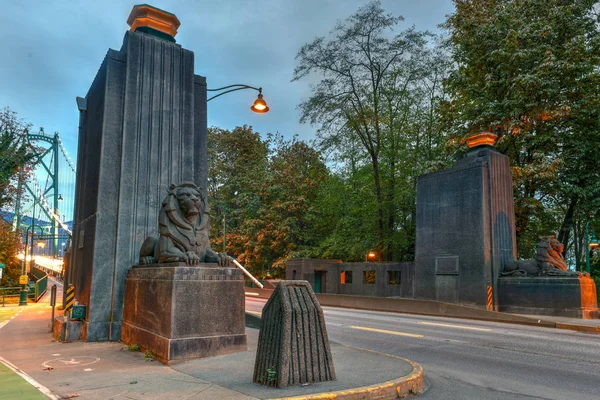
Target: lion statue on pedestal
(184,226)
(549,261)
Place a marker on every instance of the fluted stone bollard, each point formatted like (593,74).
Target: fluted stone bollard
(293,347)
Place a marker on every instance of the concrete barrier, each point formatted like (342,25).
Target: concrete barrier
(413,306)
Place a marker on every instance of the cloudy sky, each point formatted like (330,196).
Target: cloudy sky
(51,51)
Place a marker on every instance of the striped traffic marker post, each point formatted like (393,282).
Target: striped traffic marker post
(490,298)
(70,299)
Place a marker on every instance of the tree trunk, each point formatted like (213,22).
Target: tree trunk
(376,178)
(567,226)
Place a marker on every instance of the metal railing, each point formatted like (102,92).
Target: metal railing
(8,293)
(41,282)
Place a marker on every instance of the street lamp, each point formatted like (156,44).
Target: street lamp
(259,106)
(23,294)
(590,243)
(369,254)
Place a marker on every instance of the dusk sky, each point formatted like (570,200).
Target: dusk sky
(51,51)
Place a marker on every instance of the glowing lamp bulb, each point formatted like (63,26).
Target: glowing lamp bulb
(260,106)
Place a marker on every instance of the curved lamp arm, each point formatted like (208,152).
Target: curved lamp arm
(259,106)
(236,87)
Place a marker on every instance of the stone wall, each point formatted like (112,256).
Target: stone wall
(385,279)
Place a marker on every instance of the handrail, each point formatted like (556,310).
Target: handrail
(41,284)
(16,290)
(248,274)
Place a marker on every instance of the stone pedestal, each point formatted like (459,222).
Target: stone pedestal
(293,347)
(549,295)
(179,312)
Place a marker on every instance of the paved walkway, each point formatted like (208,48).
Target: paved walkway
(110,371)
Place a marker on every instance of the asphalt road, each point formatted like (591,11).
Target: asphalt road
(466,359)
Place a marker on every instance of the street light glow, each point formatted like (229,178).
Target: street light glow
(260,106)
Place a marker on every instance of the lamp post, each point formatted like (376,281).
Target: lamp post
(590,243)
(223,207)
(23,294)
(259,106)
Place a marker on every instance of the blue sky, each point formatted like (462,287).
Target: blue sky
(52,50)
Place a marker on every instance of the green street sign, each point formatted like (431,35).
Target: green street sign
(2,265)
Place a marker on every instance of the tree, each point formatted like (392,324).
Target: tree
(269,187)
(10,246)
(528,70)
(367,78)
(15,156)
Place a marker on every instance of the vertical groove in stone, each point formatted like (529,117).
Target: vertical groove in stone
(181,136)
(293,338)
(138,135)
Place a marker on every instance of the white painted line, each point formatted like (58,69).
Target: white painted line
(56,355)
(252,294)
(454,326)
(29,379)
(88,369)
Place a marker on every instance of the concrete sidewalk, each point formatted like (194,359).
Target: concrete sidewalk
(110,371)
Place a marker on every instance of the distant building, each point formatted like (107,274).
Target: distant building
(380,279)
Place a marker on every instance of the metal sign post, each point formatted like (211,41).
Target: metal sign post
(52,304)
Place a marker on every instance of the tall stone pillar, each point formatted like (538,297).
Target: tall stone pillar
(465,228)
(142,127)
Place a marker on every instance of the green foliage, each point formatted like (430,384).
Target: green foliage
(268,189)
(595,267)
(528,70)
(375,106)
(148,356)
(134,348)
(10,246)
(15,155)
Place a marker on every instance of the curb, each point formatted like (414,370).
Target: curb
(505,318)
(411,384)
(579,328)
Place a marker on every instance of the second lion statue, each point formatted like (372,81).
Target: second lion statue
(184,227)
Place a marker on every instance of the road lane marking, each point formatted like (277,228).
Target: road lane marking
(454,326)
(363,328)
(252,294)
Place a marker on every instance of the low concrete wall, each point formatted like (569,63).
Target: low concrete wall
(411,306)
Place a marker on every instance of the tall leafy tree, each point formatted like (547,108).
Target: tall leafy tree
(366,71)
(10,246)
(269,187)
(15,156)
(529,71)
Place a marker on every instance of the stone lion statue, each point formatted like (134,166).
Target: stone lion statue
(183,227)
(549,261)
